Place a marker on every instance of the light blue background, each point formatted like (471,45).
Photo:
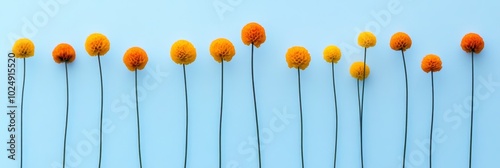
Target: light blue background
(435,27)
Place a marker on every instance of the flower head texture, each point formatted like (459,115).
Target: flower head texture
(298,57)
(135,58)
(367,39)
(332,54)
(431,63)
(253,33)
(183,52)
(357,70)
(97,44)
(472,42)
(23,48)
(222,49)
(63,53)
(400,41)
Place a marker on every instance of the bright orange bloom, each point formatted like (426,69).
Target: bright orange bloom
(298,57)
(367,39)
(23,48)
(222,49)
(431,63)
(332,54)
(357,70)
(135,58)
(400,41)
(63,53)
(472,42)
(253,33)
(183,52)
(97,44)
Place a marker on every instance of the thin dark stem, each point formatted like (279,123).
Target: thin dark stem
(22,105)
(360,125)
(138,121)
(336,116)
(67,111)
(187,116)
(301,122)
(102,107)
(362,108)
(471,113)
(406,121)
(255,110)
(221,105)
(432,121)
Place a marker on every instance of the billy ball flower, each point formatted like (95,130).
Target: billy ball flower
(97,44)
(135,58)
(23,48)
(332,54)
(222,49)
(63,53)
(357,71)
(400,41)
(183,52)
(367,39)
(298,57)
(431,63)
(472,42)
(253,33)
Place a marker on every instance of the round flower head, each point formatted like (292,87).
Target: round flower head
(298,57)
(97,44)
(367,39)
(472,42)
(183,52)
(431,63)
(357,70)
(23,48)
(400,41)
(63,53)
(253,33)
(222,49)
(332,54)
(135,58)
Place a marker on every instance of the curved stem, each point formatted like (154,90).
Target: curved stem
(22,105)
(362,108)
(138,120)
(220,116)
(432,121)
(255,110)
(406,121)
(471,113)
(187,116)
(336,116)
(67,111)
(102,107)
(301,125)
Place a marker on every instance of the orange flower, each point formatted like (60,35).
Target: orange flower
(23,48)
(332,54)
(431,63)
(298,57)
(222,49)
(183,52)
(97,44)
(63,53)
(367,39)
(400,41)
(472,42)
(357,70)
(135,58)
(253,33)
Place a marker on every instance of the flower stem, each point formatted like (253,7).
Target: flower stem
(22,105)
(187,116)
(138,119)
(406,121)
(221,105)
(336,116)
(67,111)
(301,125)
(255,110)
(362,108)
(432,121)
(471,113)
(102,105)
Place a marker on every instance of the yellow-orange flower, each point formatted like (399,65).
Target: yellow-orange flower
(472,42)
(298,57)
(135,58)
(367,39)
(400,41)
(183,52)
(332,54)
(97,44)
(357,70)
(23,48)
(63,53)
(253,33)
(431,63)
(222,49)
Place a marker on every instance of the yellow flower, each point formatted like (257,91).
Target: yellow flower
(222,49)
(367,39)
(135,58)
(298,57)
(332,54)
(357,71)
(253,33)
(183,52)
(63,53)
(23,48)
(431,63)
(97,44)
(472,42)
(400,41)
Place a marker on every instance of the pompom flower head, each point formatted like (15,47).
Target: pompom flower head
(367,39)
(63,53)
(472,42)
(183,52)
(97,44)
(135,58)
(357,71)
(298,57)
(222,49)
(332,54)
(431,63)
(23,48)
(400,41)
(253,33)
